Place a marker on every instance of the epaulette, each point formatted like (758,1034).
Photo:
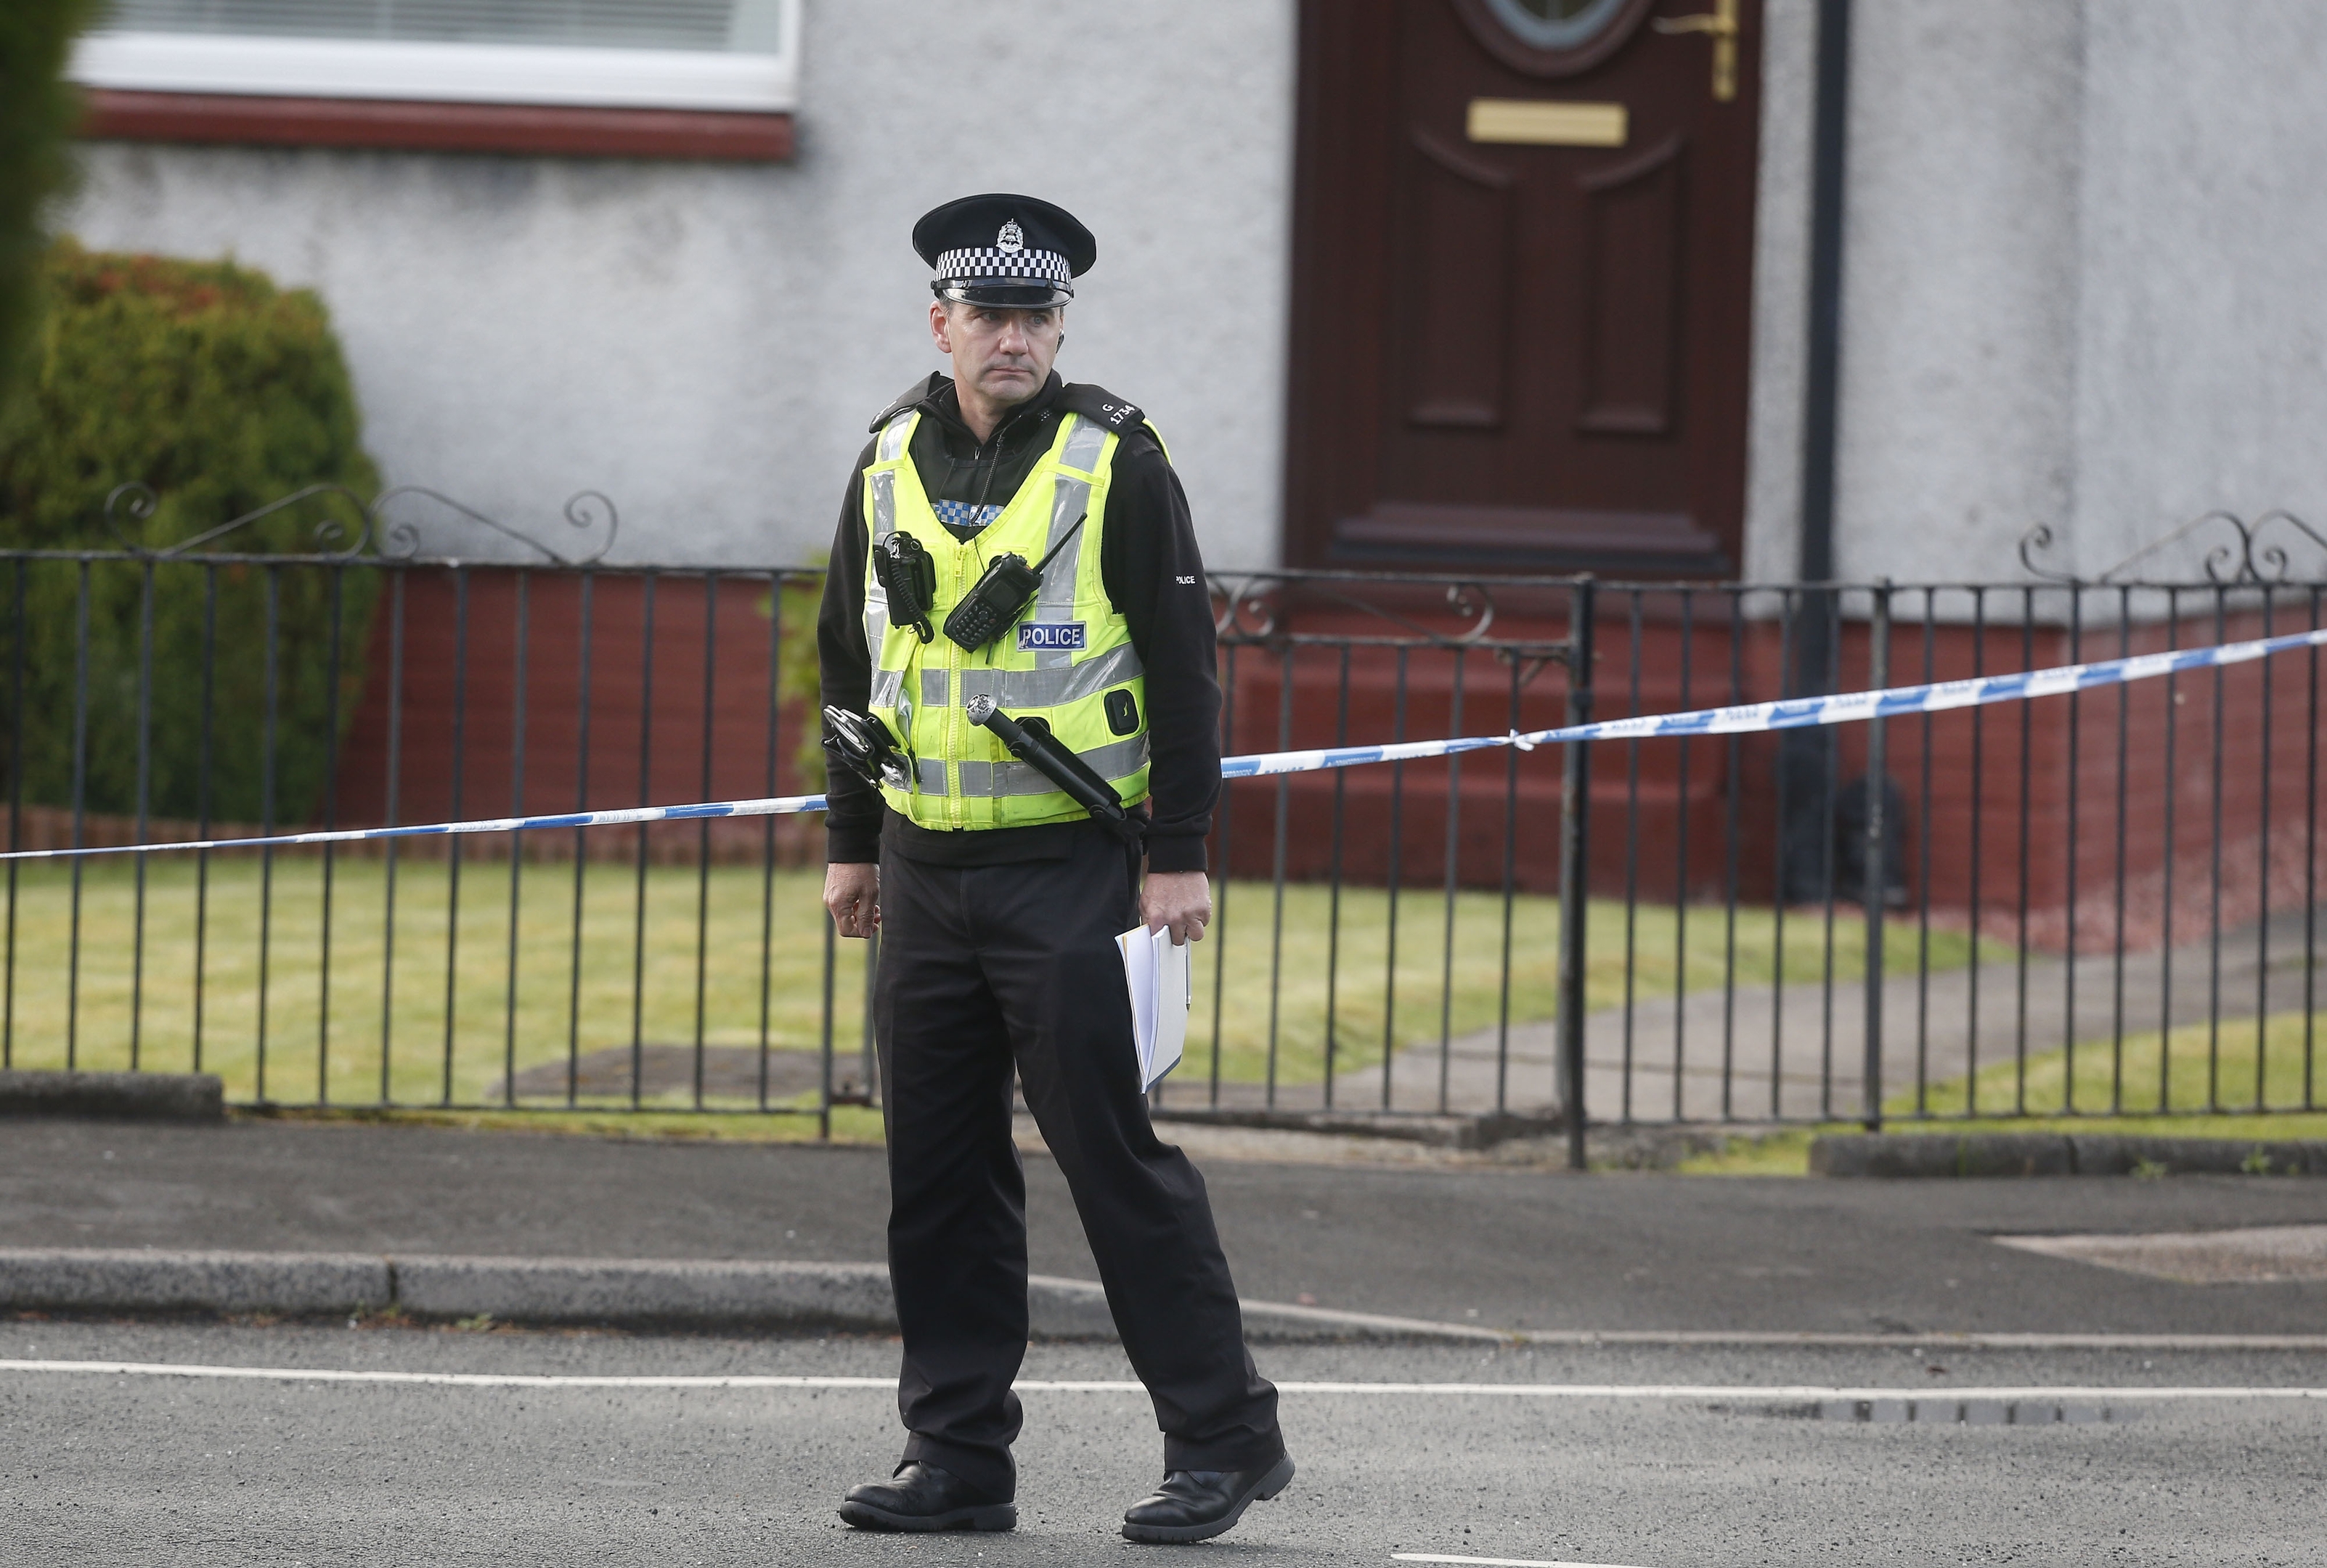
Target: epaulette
(1101,406)
(910,396)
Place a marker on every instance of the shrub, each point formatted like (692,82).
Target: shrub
(799,674)
(220,393)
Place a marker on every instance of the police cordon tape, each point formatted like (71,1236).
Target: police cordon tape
(1785,714)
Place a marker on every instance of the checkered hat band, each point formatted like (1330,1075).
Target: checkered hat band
(986,264)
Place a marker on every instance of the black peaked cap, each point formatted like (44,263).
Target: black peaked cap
(1000,249)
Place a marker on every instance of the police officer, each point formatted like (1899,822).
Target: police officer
(999,898)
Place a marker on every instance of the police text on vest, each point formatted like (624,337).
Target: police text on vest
(1043,636)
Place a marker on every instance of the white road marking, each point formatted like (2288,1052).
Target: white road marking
(1790,1391)
(1493,1562)
(1936,1339)
(2253,1254)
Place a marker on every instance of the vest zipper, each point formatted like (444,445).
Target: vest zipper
(957,789)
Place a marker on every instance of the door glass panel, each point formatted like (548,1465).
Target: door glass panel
(1556,23)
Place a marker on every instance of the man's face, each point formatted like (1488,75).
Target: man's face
(1004,355)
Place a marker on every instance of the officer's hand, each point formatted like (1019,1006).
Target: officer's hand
(1182,900)
(852,893)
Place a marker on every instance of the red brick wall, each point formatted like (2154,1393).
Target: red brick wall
(725,624)
(1977,836)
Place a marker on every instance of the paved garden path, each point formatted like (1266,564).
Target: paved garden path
(1762,1052)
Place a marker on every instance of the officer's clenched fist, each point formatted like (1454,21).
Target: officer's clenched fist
(1180,900)
(852,892)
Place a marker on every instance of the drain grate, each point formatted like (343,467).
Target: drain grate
(1963,1413)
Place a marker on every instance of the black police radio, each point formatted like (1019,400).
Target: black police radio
(1000,596)
(909,580)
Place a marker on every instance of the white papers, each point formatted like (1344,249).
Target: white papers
(1163,988)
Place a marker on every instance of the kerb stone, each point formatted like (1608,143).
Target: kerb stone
(135,1280)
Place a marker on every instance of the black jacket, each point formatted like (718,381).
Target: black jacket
(1154,576)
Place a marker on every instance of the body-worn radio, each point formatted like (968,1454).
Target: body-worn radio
(910,578)
(996,599)
(1000,596)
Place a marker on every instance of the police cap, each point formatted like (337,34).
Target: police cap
(1012,251)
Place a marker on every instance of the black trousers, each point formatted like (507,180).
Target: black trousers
(982,967)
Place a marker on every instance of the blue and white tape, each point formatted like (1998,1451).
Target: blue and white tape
(1800,713)
(1844,708)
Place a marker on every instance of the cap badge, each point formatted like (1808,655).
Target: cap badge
(1012,237)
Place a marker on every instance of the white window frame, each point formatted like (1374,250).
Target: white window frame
(427,72)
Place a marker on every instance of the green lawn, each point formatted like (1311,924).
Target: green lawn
(487,1023)
(543,1010)
(2166,1086)
(2272,1063)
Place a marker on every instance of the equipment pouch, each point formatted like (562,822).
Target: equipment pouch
(910,578)
(861,744)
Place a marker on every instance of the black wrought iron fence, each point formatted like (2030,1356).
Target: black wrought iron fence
(2105,901)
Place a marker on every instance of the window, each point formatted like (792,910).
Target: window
(478,75)
(746,27)
(1554,23)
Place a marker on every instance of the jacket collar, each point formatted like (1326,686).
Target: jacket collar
(941,401)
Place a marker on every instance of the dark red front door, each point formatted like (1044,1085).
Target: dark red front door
(1522,273)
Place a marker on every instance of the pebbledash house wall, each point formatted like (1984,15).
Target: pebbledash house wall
(2080,292)
(2080,281)
(706,341)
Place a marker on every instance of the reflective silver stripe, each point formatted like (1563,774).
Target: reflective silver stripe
(1070,500)
(995,779)
(1013,689)
(933,688)
(931,775)
(876,598)
(1083,443)
(890,447)
(888,685)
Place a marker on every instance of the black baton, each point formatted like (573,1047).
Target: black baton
(1033,743)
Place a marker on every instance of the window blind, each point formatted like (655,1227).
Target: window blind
(744,26)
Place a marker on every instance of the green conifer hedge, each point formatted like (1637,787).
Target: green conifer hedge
(220,393)
(38,111)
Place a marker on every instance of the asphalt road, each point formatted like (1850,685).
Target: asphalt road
(1509,1248)
(142,1470)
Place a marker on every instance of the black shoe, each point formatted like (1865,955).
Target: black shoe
(921,1496)
(1197,1505)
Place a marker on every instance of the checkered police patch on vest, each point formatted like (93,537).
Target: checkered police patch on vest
(965,514)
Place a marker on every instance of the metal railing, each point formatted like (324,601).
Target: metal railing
(2097,903)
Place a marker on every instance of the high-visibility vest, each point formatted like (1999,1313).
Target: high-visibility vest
(1068,659)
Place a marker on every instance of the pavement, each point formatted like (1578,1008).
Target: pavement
(1459,1244)
(1874,1434)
